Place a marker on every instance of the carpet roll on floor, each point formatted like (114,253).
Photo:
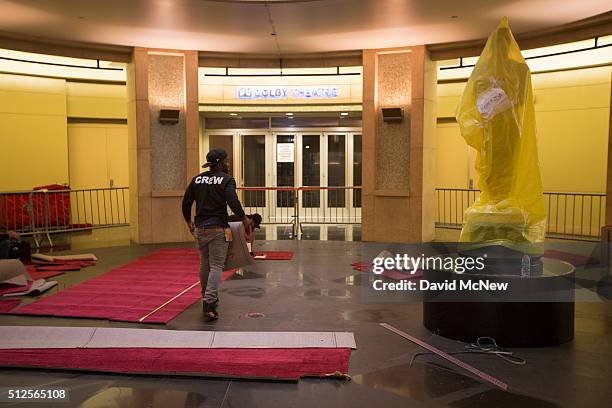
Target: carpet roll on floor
(64,258)
(273,364)
(261,355)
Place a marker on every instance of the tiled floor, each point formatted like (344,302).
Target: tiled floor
(319,291)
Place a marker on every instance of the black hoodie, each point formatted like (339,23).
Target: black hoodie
(213,191)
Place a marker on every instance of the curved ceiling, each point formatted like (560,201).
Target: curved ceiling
(283,27)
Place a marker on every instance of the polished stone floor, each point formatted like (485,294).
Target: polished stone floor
(319,291)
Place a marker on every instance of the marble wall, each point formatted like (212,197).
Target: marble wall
(162,158)
(393,85)
(398,160)
(166,82)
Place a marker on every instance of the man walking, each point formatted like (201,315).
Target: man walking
(213,191)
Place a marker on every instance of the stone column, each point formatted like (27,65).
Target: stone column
(162,157)
(398,157)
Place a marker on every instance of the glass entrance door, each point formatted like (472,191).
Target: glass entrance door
(252,178)
(284,180)
(285,169)
(336,170)
(311,170)
(270,165)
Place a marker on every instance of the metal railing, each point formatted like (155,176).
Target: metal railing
(577,216)
(297,206)
(40,213)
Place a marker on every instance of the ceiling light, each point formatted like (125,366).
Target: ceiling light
(233,114)
(343,113)
(289,114)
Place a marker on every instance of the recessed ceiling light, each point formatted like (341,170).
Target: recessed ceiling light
(233,114)
(289,114)
(343,113)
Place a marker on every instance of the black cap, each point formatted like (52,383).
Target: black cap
(214,156)
(256,220)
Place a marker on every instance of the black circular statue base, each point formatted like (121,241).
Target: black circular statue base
(508,317)
(510,324)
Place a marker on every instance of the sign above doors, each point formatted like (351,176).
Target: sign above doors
(287,92)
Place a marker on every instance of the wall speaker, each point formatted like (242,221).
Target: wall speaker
(169,116)
(392,114)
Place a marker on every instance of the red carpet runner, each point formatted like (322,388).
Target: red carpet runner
(271,363)
(572,259)
(387,273)
(6,305)
(131,292)
(276,255)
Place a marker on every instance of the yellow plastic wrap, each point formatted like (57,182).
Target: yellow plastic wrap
(496,117)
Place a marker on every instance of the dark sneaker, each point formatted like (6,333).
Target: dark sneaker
(210,310)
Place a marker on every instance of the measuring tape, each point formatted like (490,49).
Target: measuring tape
(448,357)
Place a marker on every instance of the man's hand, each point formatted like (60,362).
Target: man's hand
(246,221)
(191,227)
(14,236)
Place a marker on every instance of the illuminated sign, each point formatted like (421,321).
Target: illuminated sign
(286,92)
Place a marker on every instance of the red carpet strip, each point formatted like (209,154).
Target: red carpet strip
(362,266)
(276,255)
(270,363)
(59,268)
(7,289)
(387,273)
(572,259)
(131,292)
(37,274)
(62,263)
(7,305)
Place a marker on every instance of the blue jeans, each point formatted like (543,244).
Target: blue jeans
(4,249)
(213,251)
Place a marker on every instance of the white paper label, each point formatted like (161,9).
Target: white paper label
(285,153)
(492,101)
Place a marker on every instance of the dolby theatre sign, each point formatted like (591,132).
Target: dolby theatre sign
(287,92)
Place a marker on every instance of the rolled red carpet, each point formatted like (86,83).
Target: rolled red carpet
(269,363)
